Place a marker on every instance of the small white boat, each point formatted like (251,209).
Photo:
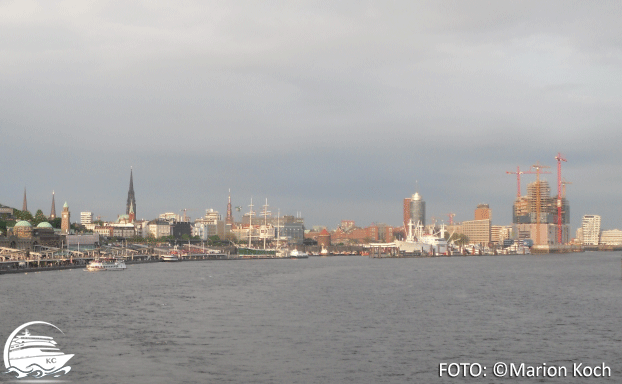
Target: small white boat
(170,258)
(296,254)
(106,265)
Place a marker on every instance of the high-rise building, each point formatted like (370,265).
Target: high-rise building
(406,211)
(65,223)
(53,210)
(86,218)
(131,199)
(483,212)
(591,229)
(417,209)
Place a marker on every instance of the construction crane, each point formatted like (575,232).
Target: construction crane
(538,167)
(559,159)
(451,218)
(518,173)
(185,211)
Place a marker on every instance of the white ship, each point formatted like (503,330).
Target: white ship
(296,254)
(106,265)
(28,350)
(170,257)
(412,243)
(437,244)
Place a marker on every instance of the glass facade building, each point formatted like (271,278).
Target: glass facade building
(417,209)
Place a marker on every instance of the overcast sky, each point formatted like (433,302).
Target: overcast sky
(338,110)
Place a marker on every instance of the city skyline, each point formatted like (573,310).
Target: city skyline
(332,110)
(407,206)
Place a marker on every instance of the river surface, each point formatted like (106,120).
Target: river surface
(346,319)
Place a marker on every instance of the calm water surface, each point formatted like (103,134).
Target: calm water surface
(326,320)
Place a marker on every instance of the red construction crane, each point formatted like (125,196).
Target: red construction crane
(518,173)
(451,218)
(559,159)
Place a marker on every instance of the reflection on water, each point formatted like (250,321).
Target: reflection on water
(326,320)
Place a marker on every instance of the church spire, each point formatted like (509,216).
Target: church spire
(131,200)
(132,217)
(25,205)
(53,210)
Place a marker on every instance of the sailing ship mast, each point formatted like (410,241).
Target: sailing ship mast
(250,222)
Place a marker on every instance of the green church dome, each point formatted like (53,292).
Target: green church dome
(44,224)
(23,223)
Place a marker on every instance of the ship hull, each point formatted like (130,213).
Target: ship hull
(46,362)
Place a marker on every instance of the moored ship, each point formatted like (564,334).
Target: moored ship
(106,265)
(296,254)
(412,245)
(170,258)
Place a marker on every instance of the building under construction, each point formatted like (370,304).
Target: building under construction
(526,214)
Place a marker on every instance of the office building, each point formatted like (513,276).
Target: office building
(417,209)
(483,212)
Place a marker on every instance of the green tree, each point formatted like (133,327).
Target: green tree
(79,228)
(231,237)
(458,238)
(39,217)
(56,223)
(22,215)
(213,239)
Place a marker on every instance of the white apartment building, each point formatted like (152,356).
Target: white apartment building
(611,237)
(590,226)
(170,216)
(86,218)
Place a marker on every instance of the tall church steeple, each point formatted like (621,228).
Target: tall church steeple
(53,210)
(132,217)
(25,205)
(131,200)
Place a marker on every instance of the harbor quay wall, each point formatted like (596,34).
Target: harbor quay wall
(604,247)
(332,249)
(539,249)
